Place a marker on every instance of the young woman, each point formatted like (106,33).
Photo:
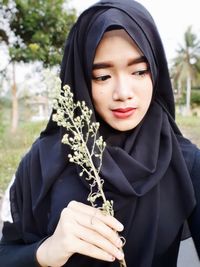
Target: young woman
(114,61)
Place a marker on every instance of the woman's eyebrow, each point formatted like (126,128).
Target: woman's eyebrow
(102,65)
(106,65)
(137,60)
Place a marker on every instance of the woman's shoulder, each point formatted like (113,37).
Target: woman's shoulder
(197,154)
(27,158)
(36,155)
(195,172)
(191,153)
(194,219)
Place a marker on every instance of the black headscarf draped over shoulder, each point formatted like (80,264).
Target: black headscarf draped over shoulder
(146,170)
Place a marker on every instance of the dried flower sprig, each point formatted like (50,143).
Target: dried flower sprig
(76,118)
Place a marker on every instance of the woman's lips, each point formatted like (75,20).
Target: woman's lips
(123,113)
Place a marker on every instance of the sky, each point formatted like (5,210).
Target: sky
(172,18)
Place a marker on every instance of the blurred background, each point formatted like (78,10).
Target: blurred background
(32,36)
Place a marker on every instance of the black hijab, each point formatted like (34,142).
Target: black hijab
(146,170)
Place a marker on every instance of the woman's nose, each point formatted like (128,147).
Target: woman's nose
(122,90)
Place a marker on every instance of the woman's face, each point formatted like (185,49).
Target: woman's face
(121,81)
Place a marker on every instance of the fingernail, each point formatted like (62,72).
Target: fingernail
(120,255)
(121,227)
(111,258)
(119,243)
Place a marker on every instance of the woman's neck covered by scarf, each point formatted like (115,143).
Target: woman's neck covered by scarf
(144,169)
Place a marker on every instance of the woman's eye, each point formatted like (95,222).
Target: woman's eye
(141,73)
(101,78)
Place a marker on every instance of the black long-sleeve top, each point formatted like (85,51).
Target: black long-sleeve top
(18,254)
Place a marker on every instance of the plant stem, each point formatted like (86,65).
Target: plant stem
(94,170)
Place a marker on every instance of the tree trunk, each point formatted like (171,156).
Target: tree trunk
(14,102)
(188,94)
(179,89)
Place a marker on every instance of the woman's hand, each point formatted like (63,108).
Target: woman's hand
(85,230)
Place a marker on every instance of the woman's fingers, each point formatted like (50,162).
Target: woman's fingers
(101,245)
(94,219)
(94,228)
(85,230)
(98,226)
(90,250)
(96,214)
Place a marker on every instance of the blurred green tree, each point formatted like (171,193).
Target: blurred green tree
(185,66)
(37,32)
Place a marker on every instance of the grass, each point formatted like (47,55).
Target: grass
(13,147)
(190,127)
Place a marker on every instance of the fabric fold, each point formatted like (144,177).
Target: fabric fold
(144,170)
